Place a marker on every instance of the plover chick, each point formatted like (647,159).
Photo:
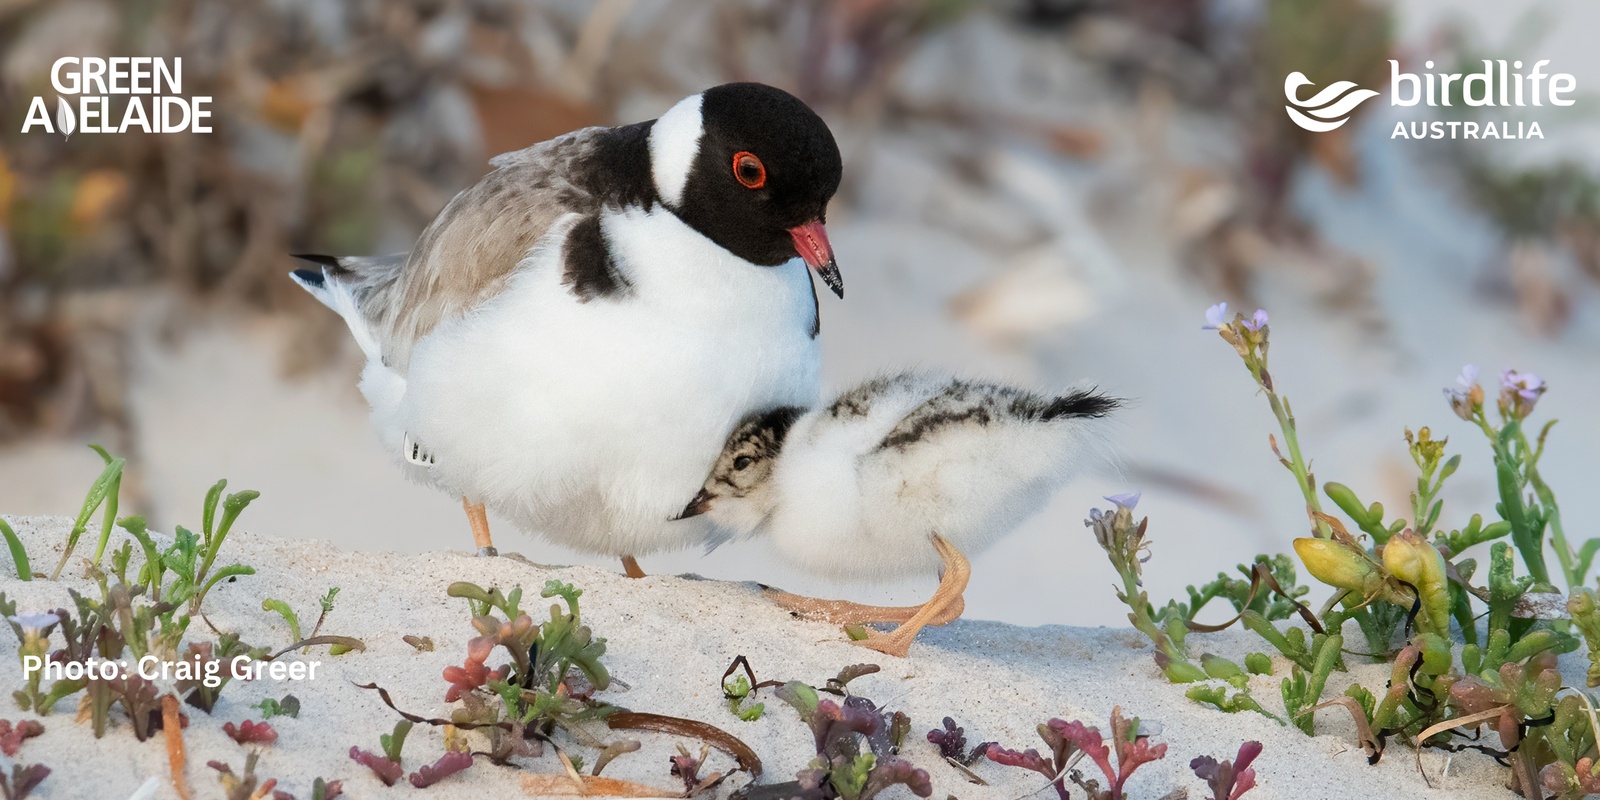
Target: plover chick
(573,336)
(897,477)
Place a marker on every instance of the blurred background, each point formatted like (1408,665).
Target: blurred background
(1042,191)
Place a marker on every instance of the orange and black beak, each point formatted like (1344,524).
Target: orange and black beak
(699,505)
(811,242)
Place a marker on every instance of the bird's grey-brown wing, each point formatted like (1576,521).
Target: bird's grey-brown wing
(471,250)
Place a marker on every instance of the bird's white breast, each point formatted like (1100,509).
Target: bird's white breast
(594,422)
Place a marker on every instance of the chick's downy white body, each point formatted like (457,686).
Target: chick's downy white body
(859,486)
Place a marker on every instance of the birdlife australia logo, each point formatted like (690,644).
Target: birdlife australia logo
(1498,85)
(117,95)
(1327,109)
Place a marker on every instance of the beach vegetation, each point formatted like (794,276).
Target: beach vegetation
(1469,645)
(1068,743)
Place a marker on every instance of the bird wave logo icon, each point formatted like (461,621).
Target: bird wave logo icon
(1325,110)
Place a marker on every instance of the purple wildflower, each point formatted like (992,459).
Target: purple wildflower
(1216,317)
(1466,401)
(1126,500)
(1519,392)
(1257,320)
(34,623)
(1526,384)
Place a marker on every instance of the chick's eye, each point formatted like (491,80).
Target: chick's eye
(748,170)
(742,462)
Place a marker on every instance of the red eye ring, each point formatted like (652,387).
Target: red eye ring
(748,170)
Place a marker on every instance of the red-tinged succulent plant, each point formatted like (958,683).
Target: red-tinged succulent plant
(249,732)
(448,764)
(1066,739)
(12,736)
(1228,779)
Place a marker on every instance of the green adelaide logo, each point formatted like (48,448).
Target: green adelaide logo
(117,95)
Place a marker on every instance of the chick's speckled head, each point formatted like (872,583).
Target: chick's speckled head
(738,494)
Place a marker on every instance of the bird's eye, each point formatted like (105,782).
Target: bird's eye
(742,462)
(748,170)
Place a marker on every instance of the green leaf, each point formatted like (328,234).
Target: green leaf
(150,573)
(58,690)
(1368,518)
(208,516)
(1225,670)
(1586,556)
(393,742)
(1214,695)
(19,554)
(566,591)
(800,695)
(106,483)
(289,706)
(233,507)
(1526,527)
(120,558)
(229,571)
(1258,663)
(327,600)
(1368,703)
(99,491)
(283,609)
(112,496)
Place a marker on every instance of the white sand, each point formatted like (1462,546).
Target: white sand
(669,640)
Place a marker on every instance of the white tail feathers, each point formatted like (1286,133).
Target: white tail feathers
(335,295)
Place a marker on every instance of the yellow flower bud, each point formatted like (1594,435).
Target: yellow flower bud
(1338,565)
(1412,559)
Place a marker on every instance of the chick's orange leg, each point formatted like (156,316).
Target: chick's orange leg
(479,519)
(844,612)
(945,605)
(630,567)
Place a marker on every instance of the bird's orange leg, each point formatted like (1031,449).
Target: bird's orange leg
(479,519)
(944,607)
(630,567)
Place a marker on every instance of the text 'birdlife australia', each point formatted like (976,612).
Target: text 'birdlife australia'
(1484,96)
(140,94)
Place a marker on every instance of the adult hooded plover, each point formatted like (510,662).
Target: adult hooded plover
(897,477)
(573,336)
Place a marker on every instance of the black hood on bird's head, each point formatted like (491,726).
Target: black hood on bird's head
(767,166)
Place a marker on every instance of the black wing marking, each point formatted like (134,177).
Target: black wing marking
(967,402)
(590,270)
